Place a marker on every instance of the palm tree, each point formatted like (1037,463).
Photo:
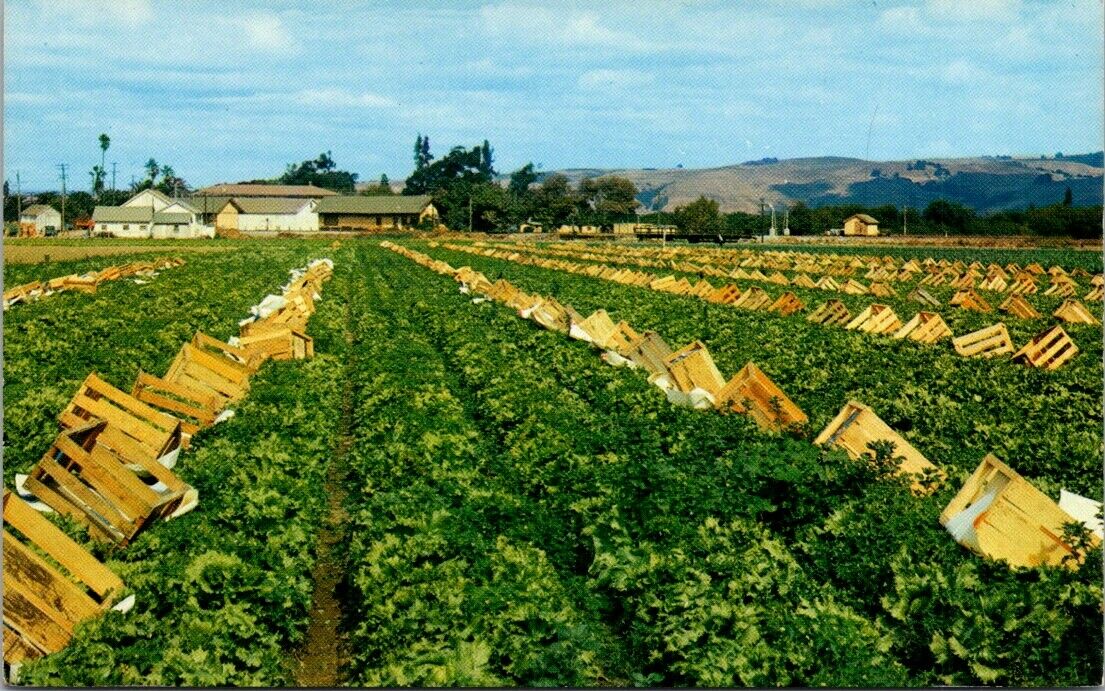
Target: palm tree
(153,169)
(105,141)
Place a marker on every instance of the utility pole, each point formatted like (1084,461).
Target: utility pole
(113,176)
(18,195)
(62,167)
(469,213)
(905,220)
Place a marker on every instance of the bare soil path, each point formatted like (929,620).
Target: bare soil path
(38,253)
(320,660)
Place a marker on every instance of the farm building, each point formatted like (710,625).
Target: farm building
(268,214)
(375,213)
(150,214)
(37,219)
(861,224)
(209,201)
(256,190)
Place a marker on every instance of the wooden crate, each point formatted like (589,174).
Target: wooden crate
(280,344)
(994,283)
(45,600)
(831,312)
(876,319)
(1098,280)
(1000,515)
(988,342)
(925,327)
(702,289)
(233,353)
(135,428)
(523,301)
(1034,268)
(882,290)
(1019,307)
(194,408)
(750,392)
(755,298)
(827,283)
(622,338)
(1047,350)
(692,368)
(1064,289)
(1023,287)
(1094,295)
(681,287)
(552,315)
(853,287)
(96,485)
(664,283)
(650,352)
(972,301)
(933,280)
(204,371)
(725,295)
(22,293)
(924,297)
(803,281)
(85,283)
(1074,312)
(788,303)
(597,328)
(856,426)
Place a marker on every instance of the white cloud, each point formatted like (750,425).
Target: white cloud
(131,13)
(266,32)
(528,23)
(963,72)
(973,10)
(341,98)
(902,19)
(613,80)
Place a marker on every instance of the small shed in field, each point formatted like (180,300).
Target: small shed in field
(38,218)
(861,224)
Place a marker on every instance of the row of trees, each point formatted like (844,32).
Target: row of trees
(466,193)
(940,217)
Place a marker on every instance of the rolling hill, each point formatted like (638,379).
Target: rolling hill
(986,184)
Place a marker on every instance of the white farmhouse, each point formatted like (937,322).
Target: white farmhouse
(150,214)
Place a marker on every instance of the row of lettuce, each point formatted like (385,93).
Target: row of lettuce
(656,545)
(224,593)
(954,410)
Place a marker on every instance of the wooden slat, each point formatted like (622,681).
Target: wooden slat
(60,547)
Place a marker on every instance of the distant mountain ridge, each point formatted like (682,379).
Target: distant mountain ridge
(985,183)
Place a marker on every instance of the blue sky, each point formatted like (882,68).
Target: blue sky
(233,90)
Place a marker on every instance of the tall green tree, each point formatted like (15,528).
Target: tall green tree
(607,199)
(152,169)
(700,216)
(321,172)
(554,201)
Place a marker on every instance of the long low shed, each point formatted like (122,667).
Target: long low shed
(375,213)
